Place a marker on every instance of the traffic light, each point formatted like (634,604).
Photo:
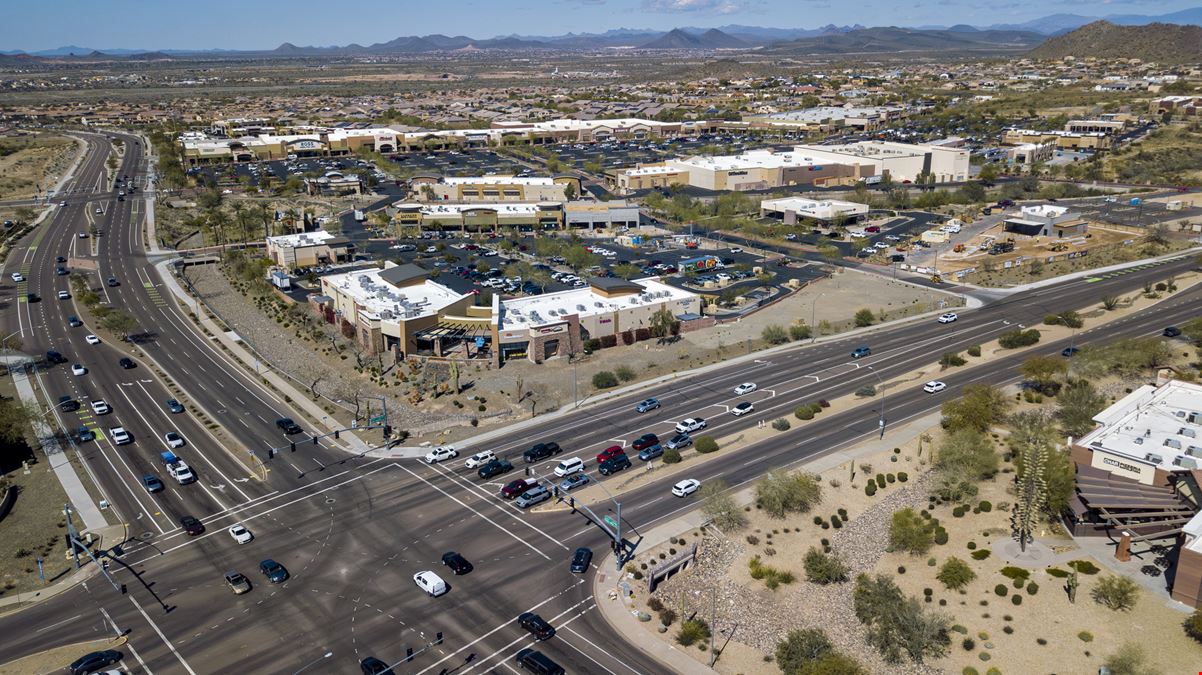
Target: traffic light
(336,433)
(387,431)
(527,471)
(292,445)
(408,654)
(314,440)
(270,453)
(438,638)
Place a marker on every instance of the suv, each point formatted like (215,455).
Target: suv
(644,406)
(537,662)
(67,404)
(581,559)
(538,626)
(192,526)
(152,483)
(438,454)
(535,495)
(609,453)
(644,441)
(679,441)
(516,487)
(494,468)
(614,465)
(286,425)
(541,451)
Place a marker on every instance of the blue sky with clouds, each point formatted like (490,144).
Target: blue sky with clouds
(256,24)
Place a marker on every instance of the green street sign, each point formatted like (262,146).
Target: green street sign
(376,420)
(611,522)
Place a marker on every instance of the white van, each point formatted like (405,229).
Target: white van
(569,466)
(951,228)
(430,583)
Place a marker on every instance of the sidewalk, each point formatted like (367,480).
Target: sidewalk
(299,399)
(80,500)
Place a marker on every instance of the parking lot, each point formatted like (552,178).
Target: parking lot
(459,163)
(282,170)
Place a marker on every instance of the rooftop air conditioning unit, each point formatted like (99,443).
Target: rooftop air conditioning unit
(1139,440)
(1172,443)
(1189,433)
(1154,458)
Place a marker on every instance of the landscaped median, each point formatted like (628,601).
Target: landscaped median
(57,659)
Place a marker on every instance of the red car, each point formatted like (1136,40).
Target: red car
(516,487)
(872,228)
(611,451)
(644,441)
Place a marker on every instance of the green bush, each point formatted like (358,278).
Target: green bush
(624,373)
(910,532)
(671,456)
(864,318)
(692,631)
(821,568)
(799,331)
(981,554)
(836,522)
(1193,625)
(1032,588)
(890,478)
(591,345)
(940,536)
(880,480)
(1056,572)
(605,380)
(705,444)
(781,424)
(1016,599)
(870,489)
(955,574)
(1084,567)
(985,506)
(902,476)
(951,360)
(1012,572)
(803,412)
(1116,592)
(1001,590)
(968,644)
(772,577)
(1085,636)
(1019,338)
(775,334)
(974,350)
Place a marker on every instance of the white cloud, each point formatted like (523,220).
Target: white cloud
(700,6)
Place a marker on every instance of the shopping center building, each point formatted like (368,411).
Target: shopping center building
(493,188)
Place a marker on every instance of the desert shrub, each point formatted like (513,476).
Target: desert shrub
(625,373)
(981,554)
(951,360)
(940,536)
(1084,567)
(870,489)
(822,568)
(902,476)
(974,350)
(1019,338)
(1032,588)
(985,507)
(1011,572)
(1130,659)
(1193,625)
(771,576)
(692,631)
(804,412)
(898,626)
(775,334)
(781,491)
(605,380)
(1001,590)
(1016,599)
(781,424)
(910,532)
(705,444)
(1116,592)
(955,574)
(671,456)
(1085,636)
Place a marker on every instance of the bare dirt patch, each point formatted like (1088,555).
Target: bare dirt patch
(27,162)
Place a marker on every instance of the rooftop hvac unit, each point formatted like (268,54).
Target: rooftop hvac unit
(1194,418)
(579,308)
(1172,443)
(1193,451)
(1154,458)
(1186,462)
(1188,433)
(599,305)
(1139,440)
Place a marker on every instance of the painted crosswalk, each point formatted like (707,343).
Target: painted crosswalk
(154,294)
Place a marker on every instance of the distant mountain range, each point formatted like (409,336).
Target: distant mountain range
(1163,43)
(828,39)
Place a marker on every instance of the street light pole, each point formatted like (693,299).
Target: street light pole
(813,318)
(880,388)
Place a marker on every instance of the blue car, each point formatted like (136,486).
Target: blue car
(650,453)
(860,352)
(574,481)
(648,404)
(275,572)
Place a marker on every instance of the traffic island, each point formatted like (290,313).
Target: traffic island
(57,659)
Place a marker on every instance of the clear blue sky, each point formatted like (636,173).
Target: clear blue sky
(263,24)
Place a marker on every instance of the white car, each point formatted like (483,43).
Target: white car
(480,459)
(736,250)
(120,435)
(101,407)
(431,249)
(18,277)
(92,340)
(78,369)
(690,425)
(686,487)
(745,388)
(948,318)
(742,409)
(430,583)
(934,387)
(440,453)
(64,295)
(240,533)
(174,440)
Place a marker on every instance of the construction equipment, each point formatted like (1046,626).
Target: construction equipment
(936,278)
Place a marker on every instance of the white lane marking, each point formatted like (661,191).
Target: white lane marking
(128,644)
(162,637)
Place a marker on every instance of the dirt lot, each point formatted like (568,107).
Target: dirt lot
(29,161)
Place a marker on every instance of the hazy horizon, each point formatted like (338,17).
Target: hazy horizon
(226,24)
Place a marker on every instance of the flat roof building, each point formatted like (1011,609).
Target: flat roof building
(334,183)
(306,249)
(1046,220)
(479,216)
(791,210)
(753,170)
(826,118)
(902,161)
(494,188)
(1073,140)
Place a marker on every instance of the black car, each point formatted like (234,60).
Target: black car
(90,663)
(457,563)
(536,661)
(61,259)
(53,357)
(192,526)
(288,426)
(1172,331)
(537,626)
(112,281)
(1068,352)
(33,297)
(127,363)
(581,559)
(373,666)
(613,465)
(541,451)
(73,321)
(495,468)
(67,404)
(60,270)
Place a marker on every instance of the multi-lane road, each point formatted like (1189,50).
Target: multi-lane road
(353,530)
